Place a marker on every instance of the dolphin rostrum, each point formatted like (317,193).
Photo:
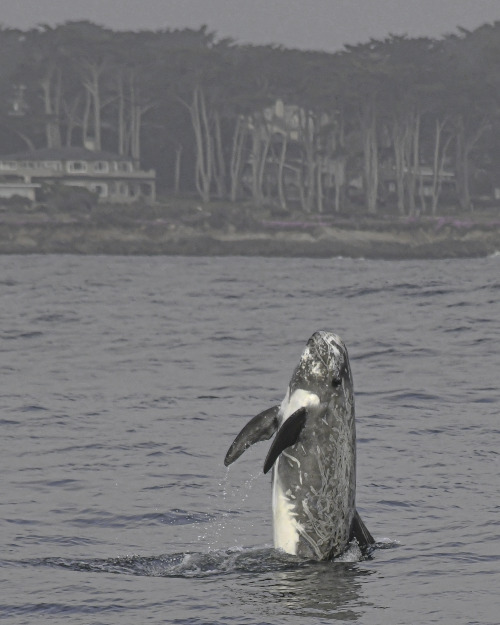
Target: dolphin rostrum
(313,454)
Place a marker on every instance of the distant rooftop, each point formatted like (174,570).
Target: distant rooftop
(64,154)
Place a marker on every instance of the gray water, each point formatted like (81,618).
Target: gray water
(124,380)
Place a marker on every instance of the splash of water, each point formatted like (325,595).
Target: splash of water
(216,535)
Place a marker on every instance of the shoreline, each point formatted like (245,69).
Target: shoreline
(151,232)
(350,244)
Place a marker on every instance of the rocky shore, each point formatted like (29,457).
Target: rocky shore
(223,231)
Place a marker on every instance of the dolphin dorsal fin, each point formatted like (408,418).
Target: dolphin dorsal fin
(360,532)
(286,436)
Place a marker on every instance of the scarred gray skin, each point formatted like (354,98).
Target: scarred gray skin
(313,454)
(314,480)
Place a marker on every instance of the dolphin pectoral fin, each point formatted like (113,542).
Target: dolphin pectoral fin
(260,428)
(286,437)
(360,532)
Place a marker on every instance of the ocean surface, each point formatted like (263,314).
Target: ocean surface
(125,379)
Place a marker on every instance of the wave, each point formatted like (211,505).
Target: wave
(240,560)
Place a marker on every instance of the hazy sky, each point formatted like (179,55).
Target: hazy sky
(308,24)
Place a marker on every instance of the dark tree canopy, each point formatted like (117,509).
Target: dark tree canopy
(410,123)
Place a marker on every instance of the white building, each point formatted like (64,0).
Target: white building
(115,178)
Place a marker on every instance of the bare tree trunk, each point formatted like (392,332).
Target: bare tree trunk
(91,82)
(413,161)
(406,146)
(177,168)
(85,117)
(135,121)
(399,140)
(131,111)
(339,175)
(281,163)
(436,166)
(339,163)
(57,110)
(256,158)
(218,161)
(308,186)
(236,163)
(137,115)
(25,138)
(204,143)
(71,117)
(464,146)
(440,150)
(262,166)
(96,109)
(370,151)
(52,108)
(261,141)
(421,193)
(97,116)
(462,168)
(121,115)
(319,184)
(301,174)
(135,146)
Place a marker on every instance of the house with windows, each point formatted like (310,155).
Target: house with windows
(113,177)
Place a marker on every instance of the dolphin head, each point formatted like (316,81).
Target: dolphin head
(323,368)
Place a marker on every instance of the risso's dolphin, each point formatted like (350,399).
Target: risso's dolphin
(313,454)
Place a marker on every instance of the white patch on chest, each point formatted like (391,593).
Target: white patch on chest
(286,528)
(285,525)
(299,399)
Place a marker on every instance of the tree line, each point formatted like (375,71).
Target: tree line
(280,126)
